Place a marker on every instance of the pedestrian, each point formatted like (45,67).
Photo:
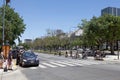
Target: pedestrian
(70,53)
(1,59)
(59,53)
(10,60)
(18,57)
(84,55)
(66,54)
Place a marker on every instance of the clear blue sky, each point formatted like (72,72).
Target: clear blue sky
(40,15)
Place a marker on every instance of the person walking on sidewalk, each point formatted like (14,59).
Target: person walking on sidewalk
(84,55)
(66,54)
(10,60)
(1,58)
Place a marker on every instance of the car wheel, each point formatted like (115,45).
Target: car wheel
(37,65)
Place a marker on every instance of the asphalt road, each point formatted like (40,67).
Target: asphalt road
(60,68)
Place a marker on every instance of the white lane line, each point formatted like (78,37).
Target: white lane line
(47,64)
(65,63)
(58,64)
(33,68)
(75,63)
(94,63)
(85,63)
(41,66)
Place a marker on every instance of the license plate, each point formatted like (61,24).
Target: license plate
(32,61)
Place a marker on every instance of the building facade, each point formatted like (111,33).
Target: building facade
(111,10)
(27,40)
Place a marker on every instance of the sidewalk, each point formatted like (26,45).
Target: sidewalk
(112,58)
(14,75)
(109,58)
(14,68)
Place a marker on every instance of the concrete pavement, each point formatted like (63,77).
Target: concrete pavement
(107,59)
(12,75)
(14,68)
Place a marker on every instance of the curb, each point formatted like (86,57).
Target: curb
(7,72)
(14,68)
(106,59)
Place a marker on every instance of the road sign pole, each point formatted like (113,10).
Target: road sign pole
(3,24)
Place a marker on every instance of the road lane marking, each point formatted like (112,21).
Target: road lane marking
(54,64)
(75,63)
(50,65)
(33,68)
(61,65)
(41,66)
(87,63)
(65,63)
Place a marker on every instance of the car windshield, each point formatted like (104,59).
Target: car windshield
(28,54)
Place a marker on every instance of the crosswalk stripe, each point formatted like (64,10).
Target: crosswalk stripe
(50,65)
(41,66)
(84,63)
(94,63)
(75,63)
(33,68)
(61,65)
(87,63)
(65,63)
(54,64)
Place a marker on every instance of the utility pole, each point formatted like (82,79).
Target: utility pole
(5,47)
(118,49)
(3,24)
(5,2)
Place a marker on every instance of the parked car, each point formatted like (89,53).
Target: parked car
(29,59)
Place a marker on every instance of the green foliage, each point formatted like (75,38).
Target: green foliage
(14,25)
(53,41)
(97,31)
(77,42)
(102,29)
(25,46)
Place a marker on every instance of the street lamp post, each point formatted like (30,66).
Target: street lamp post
(3,21)
(5,47)
(118,42)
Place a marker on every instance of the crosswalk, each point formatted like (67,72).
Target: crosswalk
(54,64)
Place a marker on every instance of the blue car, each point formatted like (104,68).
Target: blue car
(29,59)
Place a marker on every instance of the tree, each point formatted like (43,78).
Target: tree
(103,29)
(112,30)
(88,36)
(14,24)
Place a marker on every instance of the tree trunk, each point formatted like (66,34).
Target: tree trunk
(112,48)
(117,47)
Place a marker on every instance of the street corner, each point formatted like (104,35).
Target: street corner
(14,66)
(112,58)
(8,71)
(1,71)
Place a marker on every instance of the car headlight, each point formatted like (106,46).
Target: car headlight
(24,60)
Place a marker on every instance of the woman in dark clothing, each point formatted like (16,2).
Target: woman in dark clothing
(10,60)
